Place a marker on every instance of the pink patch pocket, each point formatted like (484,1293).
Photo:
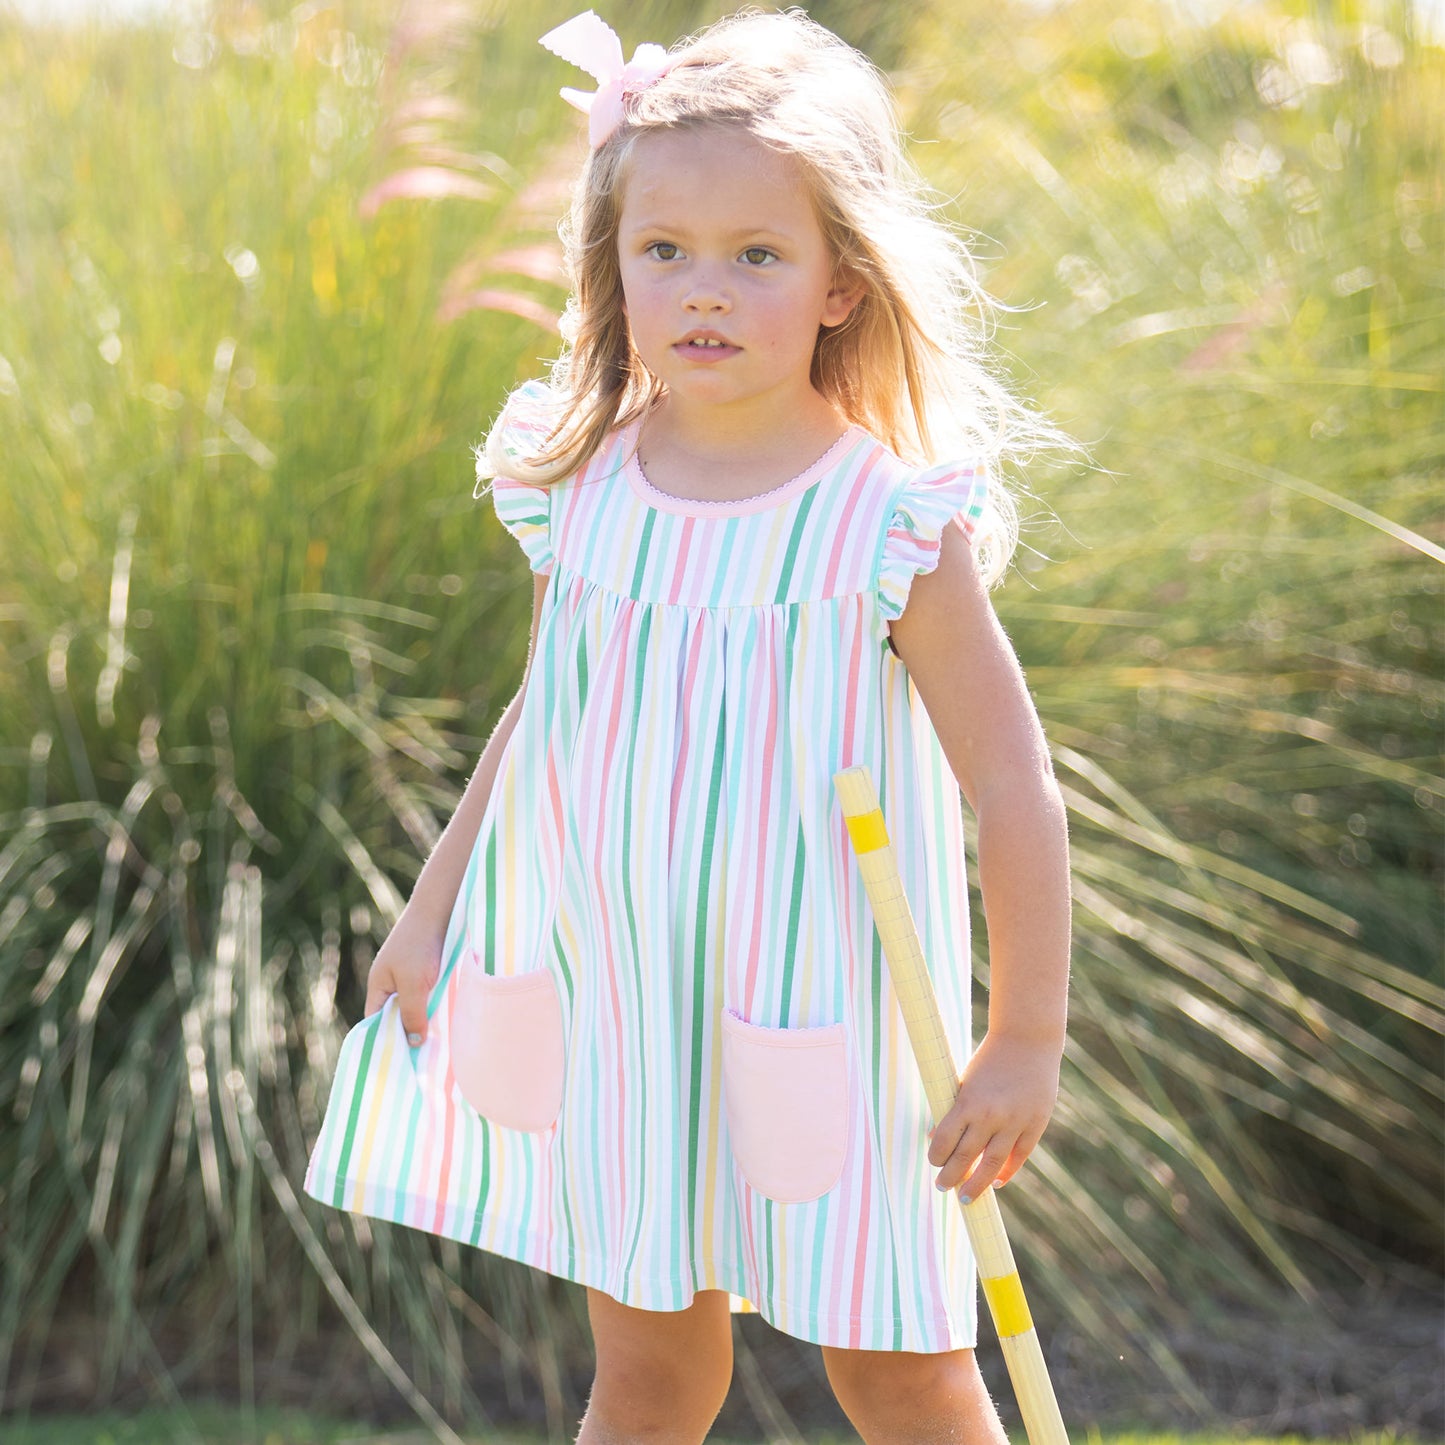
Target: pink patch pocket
(785,1092)
(508,1055)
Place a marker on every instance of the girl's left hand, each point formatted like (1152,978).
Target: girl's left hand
(1003,1104)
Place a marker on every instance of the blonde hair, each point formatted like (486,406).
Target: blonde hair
(909,364)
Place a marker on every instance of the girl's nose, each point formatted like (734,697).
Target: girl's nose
(706,295)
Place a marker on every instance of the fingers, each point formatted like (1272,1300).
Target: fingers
(1019,1155)
(379,987)
(985,1172)
(974,1162)
(979,1154)
(999,1114)
(411,989)
(412,1003)
(955,1145)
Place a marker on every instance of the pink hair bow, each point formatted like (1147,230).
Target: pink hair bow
(591,44)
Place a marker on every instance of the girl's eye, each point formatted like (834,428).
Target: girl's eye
(757,255)
(663,250)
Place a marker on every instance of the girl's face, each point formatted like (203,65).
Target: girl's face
(725,274)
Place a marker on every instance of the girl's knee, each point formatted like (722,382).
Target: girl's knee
(900,1398)
(661,1375)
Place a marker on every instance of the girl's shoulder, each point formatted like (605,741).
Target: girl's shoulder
(923,501)
(530,416)
(536,417)
(528,420)
(957,486)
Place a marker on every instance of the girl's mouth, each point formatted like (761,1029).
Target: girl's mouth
(706,348)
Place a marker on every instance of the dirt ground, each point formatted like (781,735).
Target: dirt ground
(1331,1369)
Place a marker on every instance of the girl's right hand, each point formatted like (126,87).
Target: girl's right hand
(406,965)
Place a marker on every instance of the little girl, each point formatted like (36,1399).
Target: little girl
(633,1026)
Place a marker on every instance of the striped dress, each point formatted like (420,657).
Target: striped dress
(663,1053)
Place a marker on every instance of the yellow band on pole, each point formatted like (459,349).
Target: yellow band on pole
(868,831)
(1007,1305)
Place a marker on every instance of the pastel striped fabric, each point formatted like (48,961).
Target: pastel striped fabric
(664,1054)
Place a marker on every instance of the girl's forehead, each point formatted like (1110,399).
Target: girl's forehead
(722,162)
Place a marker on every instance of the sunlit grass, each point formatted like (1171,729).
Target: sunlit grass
(1234,634)
(254,628)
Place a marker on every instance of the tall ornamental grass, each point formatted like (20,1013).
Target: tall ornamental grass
(266,279)
(1232,235)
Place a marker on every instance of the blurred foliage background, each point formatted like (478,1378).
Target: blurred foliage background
(267,273)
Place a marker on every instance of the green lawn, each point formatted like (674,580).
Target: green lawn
(215,1425)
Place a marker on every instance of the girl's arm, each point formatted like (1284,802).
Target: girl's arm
(409,961)
(971,684)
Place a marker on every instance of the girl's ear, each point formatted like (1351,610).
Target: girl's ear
(847,290)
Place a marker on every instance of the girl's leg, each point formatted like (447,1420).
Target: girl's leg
(893,1397)
(662,1375)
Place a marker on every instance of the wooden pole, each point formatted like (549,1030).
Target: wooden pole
(909,971)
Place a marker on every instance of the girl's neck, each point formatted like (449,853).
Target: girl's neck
(701,444)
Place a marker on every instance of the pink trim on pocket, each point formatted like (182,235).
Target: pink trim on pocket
(786,1096)
(508,1054)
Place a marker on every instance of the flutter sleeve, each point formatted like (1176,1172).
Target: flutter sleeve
(923,506)
(523,508)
